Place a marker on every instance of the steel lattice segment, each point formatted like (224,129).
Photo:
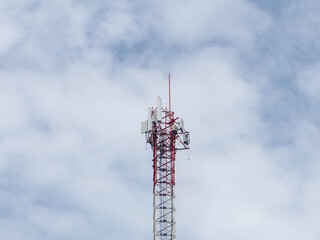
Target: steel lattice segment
(165,138)
(164,178)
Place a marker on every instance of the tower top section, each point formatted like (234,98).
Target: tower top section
(166,134)
(161,118)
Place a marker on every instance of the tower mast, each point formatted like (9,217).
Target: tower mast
(166,135)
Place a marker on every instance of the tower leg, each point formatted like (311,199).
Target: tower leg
(154,218)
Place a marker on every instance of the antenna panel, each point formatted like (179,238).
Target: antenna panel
(159,109)
(144,126)
(149,118)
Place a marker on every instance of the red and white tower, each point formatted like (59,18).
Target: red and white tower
(166,134)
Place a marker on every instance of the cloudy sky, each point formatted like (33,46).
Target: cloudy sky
(77,77)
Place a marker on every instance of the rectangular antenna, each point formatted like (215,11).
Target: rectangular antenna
(159,109)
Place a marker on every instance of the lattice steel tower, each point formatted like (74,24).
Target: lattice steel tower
(166,134)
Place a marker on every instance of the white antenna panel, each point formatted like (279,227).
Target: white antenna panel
(149,119)
(181,123)
(144,126)
(154,116)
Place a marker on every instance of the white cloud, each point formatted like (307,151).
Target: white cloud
(308,80)
(72,162)
(207,21)
(10,34)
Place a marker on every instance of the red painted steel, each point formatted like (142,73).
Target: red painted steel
(163,139)
(166,136)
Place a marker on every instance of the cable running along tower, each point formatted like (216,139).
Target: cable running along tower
(166,134)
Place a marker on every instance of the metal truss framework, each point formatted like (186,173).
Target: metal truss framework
(165,139)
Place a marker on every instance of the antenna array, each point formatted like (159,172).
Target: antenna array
(166,134)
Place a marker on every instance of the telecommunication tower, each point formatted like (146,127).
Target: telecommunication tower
(166,134)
